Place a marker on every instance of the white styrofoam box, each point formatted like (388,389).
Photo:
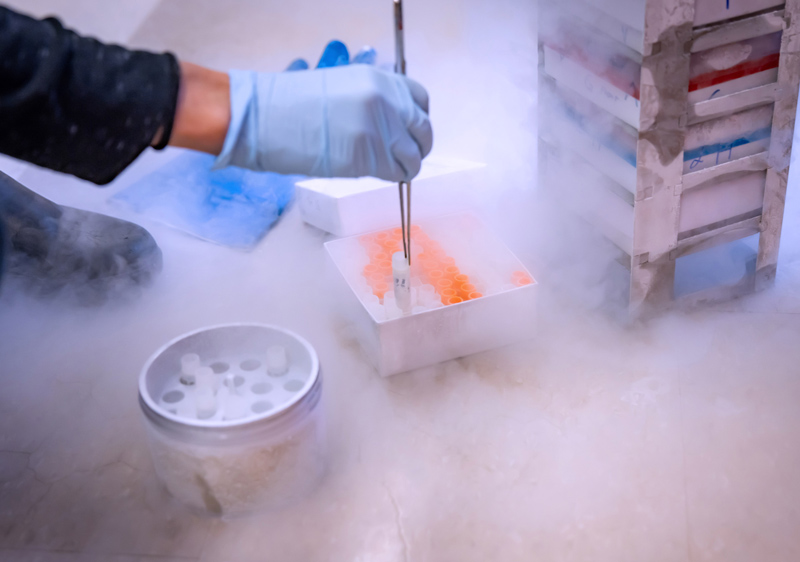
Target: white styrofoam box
(590,194)
(728,138)
(504,315)
(722,200)
(596,89)
(345,207)
(575,124)
(628,12)
(605,160)
(612,25)
(734,67)
(711,11)
(733,86)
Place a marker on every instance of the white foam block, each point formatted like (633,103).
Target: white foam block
(345,207)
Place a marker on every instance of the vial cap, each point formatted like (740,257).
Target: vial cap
(399,263)
(190,363)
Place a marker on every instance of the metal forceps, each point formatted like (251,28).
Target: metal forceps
(400,68)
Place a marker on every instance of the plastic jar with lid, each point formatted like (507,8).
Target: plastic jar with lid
(266,452)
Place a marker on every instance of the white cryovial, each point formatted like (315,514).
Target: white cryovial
(277,361)
(205,403)
(189,365)
(401,272)
(234,406)
(391,309)
(427,292)
(205,378)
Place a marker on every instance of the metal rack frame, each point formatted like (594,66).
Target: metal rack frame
(665,47)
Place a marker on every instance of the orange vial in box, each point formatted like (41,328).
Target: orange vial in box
(380,289)
(465,289)
(442,284)
(520,279)
(391,246)
(447,294)
(451,271)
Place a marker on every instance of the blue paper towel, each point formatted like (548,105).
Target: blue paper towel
(232,206)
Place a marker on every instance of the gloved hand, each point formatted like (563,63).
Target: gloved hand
(346,121)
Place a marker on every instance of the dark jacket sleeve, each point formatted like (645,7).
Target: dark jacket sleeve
(76,105)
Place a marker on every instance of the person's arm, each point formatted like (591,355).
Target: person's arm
(78,106)
(204,109)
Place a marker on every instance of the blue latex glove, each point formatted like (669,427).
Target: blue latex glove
(336,54)
(347,121)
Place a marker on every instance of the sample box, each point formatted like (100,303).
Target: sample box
(469,293)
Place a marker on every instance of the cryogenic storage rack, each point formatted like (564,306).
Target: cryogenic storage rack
(668,125)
